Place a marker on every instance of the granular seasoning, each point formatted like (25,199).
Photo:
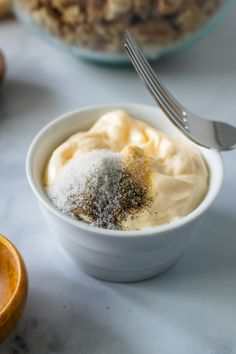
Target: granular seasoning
(101,188)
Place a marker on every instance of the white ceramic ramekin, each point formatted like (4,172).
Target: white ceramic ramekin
(107,254)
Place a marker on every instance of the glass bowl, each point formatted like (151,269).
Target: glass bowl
(164,34)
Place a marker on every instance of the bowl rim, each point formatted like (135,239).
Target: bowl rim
(148,232)
(22,280)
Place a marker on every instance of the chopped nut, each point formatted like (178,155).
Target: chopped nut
(167,7)
(95,10)
(116,8)
(72,15)
(189,17)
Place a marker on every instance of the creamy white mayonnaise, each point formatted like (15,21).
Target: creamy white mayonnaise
(178,173)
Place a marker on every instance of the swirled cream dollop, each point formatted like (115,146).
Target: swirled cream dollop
(177,174)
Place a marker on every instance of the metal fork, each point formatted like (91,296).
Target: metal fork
(204,132)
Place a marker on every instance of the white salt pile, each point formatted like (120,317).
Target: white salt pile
(96,188)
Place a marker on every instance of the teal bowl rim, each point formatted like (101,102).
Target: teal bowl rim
(122,58)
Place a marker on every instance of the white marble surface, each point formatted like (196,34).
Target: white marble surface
(192,308)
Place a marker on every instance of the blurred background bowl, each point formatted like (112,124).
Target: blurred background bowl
(13,287)
(48,26)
